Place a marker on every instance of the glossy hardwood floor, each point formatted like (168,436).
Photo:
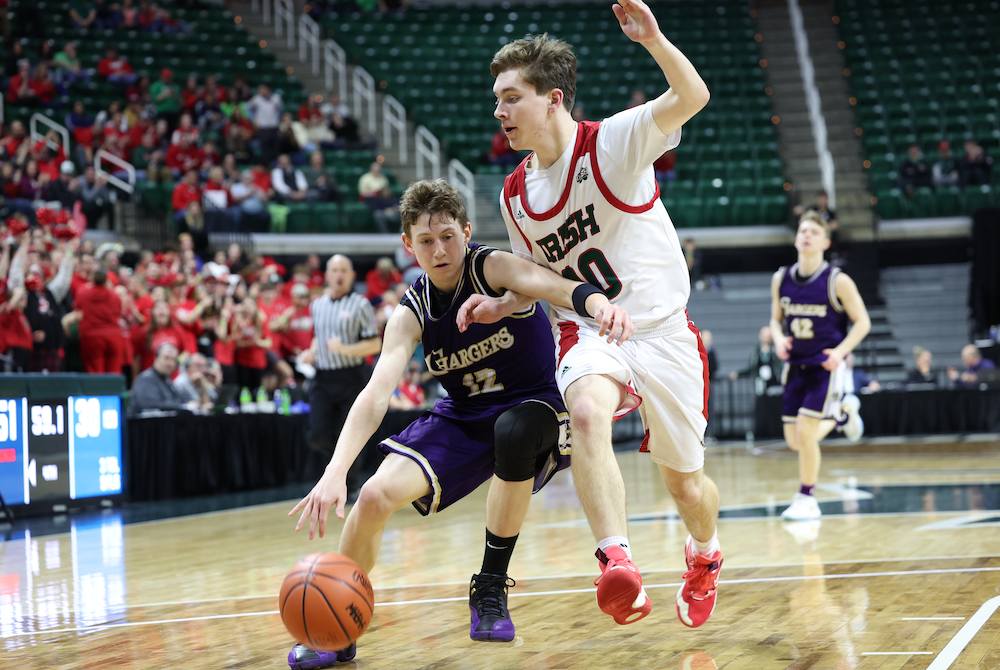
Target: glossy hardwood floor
(906,555)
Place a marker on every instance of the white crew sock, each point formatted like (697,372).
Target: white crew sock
(707,548)
(615,541)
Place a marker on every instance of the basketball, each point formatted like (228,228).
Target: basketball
(326,602)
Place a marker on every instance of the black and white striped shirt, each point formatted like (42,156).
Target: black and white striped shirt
(349,318)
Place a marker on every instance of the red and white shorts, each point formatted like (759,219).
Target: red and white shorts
(666,374)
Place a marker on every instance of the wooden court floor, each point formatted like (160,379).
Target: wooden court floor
(902,572)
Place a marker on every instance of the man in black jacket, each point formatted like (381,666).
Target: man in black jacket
(153,389)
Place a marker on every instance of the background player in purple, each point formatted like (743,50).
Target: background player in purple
(813,301)
(503,418)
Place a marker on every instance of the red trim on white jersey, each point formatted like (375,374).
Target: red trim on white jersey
(568,336)
(508,183)
(586,143)
(704,361)
(605,191)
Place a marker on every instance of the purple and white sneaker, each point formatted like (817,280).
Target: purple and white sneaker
(302,657)
(488,606)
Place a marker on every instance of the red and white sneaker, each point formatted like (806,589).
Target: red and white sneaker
(619,588)
(696,598)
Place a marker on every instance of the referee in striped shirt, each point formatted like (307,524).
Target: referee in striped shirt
(344,335)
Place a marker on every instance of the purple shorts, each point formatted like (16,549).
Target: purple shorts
(812,391)
(458,455)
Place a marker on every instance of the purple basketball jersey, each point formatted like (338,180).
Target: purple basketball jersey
(488,368)
(813,315)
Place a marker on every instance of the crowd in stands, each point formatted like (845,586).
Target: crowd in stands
(233,152)
(973,168)
(178,326)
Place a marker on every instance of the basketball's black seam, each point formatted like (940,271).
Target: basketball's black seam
(335,616)
(289,595)
(305,592)
(364,596)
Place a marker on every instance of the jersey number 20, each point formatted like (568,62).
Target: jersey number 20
(594,259)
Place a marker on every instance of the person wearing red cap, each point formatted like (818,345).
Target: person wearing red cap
(100,332)
(166,96)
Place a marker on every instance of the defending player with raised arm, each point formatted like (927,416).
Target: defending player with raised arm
(812,301)
(586,204)
(503,418)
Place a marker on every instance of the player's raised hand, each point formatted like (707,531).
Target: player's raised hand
(615,321)
(783,347)
(329,492)
(480,308)
(833,359)
(637,21)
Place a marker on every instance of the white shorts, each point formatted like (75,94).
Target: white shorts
(666,375)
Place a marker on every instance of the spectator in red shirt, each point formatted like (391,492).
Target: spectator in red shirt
(43,88)
(19,89)
(116,70)
(501,152)
(161,330)
(190,93)
(294,326)
(409,394)
(184,156)
(309,110)
(84,275)
(185,193)
(382,277)
(252,340)
(12,142)
(15,331)
(100,330)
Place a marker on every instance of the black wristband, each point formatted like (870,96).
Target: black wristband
(580,295)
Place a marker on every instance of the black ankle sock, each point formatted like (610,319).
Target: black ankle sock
(498,553)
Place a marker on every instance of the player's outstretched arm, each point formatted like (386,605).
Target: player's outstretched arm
(688,93)
(402,334)
(782,344)
(861,323)
(505,271)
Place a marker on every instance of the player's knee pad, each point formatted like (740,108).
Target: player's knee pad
(522,436)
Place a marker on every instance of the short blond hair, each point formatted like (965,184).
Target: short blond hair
(434,197)
(814,217)
(546,63)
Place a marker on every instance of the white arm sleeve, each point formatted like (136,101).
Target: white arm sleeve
(278,182)
(300,181)
(517,244)
(632,141)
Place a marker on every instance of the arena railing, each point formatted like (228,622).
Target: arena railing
(127,186)
(462,179)
(328,58)
(36,136)
(816,118)
(364,94)
(394,118)
(428,151)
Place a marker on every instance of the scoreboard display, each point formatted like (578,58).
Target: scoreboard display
(58,450)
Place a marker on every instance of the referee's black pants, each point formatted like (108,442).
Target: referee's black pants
(330,399)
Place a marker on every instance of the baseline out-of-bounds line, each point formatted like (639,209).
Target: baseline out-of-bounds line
(965,634)
(401,587)
(426,601)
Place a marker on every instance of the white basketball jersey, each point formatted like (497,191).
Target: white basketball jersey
(631,252)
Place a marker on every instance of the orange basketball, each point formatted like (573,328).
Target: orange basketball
(326,601)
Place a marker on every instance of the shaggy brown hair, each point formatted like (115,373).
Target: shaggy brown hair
(432,197)
(545,62)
